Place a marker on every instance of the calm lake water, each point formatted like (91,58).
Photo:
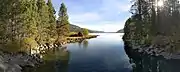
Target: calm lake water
(106,53)
(102,54)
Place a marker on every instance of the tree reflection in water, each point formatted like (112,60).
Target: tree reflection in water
(147,63)
(56,60)
(83,44)
(79,43)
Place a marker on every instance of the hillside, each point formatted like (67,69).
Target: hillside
(120,31)
(74,28)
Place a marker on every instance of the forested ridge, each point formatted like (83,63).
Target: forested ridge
(30,23)
(120,31)
(154,24)
(74,28)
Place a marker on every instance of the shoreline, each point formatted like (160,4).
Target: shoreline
(15,62)
(79,39)
(155,49)
(18,61)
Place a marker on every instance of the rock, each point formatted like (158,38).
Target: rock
(3,67)
(13,62)
(140,50)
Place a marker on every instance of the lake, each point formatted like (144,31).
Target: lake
(102,54)
(106,53)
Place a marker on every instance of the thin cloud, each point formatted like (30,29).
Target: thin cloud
(86,17)
(110,26)
(104,15)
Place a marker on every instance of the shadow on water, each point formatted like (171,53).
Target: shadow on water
(55,60)
(148,63)
(103,54)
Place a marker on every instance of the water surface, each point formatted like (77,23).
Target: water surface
(102,54)
(142,62)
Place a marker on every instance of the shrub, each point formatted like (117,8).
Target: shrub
(85,32)
(29,43)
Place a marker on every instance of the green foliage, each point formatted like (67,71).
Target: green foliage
(149,21)
(51,10)
(28,43)
(85,32)
(72,33)
(63,23)
(12,46)
(43,24)
(52,21)
(28,23)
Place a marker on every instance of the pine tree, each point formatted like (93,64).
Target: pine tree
(18,21)
(150,19)
(3,20)
(52,21)
(63,23)
(28,22)
(43,25)
(24,23)
(8,19)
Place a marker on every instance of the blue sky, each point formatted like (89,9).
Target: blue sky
(103,15)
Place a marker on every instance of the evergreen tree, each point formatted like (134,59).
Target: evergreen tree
(28,23)
(150,19)
(31,18)
(43,22)
(51,8)
(8,19)
(52,21)
(63,23)
(18,21)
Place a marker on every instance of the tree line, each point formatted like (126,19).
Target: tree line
(150,19)
(29,23)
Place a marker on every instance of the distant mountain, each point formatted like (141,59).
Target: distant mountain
(120,31)
(74,28)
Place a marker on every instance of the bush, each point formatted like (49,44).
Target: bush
(85,32)
(29,43)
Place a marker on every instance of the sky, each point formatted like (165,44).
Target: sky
(102,15)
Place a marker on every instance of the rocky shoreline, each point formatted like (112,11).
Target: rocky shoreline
(79,39)
(161,46)
(143,62)
(156,51)
(15,62)
(153,43)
